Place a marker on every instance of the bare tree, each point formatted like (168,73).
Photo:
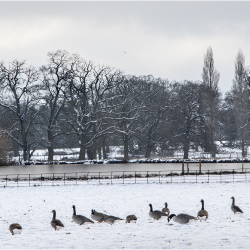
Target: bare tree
(155,98)
(227,120)
(210,75)
(241,101)
(87,99)
(20,100)
(57,76)
(211,99)
(127,104)
(188,113)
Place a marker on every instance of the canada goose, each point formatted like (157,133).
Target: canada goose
(80,219)
(97,216)
(181,218)
(202,214)
(156,214)
(56,224)
(110,219)
(165,209)
(234,208)
(131,218)
(15,228)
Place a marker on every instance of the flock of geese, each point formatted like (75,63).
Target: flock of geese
(82,220)
(56,224)
(181,218)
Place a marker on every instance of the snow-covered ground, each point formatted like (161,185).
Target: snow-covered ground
(32,206)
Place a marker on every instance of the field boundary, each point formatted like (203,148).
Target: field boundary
(124,177)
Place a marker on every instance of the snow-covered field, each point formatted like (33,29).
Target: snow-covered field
(32,206)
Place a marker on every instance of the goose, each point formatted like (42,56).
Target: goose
(131,218)
(80,219)
(15,228)
(202,214)
(181,218)
(156,214)
(234,208)
(165,209)
(110,219)
(97,216)
(56,224)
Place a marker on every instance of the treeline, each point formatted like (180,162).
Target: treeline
(71,102)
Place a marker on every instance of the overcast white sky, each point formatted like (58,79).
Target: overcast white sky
(164,39)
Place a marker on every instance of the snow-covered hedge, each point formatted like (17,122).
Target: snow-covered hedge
(116,161)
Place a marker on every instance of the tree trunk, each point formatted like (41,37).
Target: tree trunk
(25,149)
(107,149)
(207,146)
(83,142)
(15,148)
(99,153)
(104,148)
(51,146)
(213,150)
(125,141)
(82,152)
(93,150)
(90,153)
(94,147)
(186,148)
(50,153)
(243,147)
(148,146)
(148,150)
(213,145)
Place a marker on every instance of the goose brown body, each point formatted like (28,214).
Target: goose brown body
(235,208)
(80,219)
(15,228)
(156,214)
(56,224)
(202,214)
(131,218)
(110,219)
(181,218)
(97,216)
(166,209)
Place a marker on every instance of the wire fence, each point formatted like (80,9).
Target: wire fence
(123,177)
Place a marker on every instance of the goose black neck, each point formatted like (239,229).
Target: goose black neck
(74,210)
(151,208)
(54,214)
(233,201)
(166,205)
(170,217)
(202,204)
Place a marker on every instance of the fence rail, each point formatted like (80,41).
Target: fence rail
(124,177)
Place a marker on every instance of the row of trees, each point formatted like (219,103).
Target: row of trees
(71,102)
